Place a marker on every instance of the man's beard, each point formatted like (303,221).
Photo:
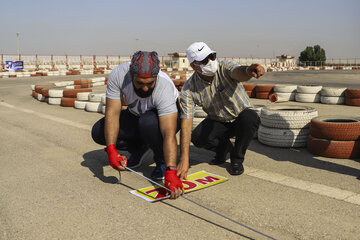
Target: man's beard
(143,94)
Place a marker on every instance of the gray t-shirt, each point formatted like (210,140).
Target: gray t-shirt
(163,98)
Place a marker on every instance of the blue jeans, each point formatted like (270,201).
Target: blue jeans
(134,132)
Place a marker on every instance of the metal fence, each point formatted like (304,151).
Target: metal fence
(331,62)
(88,62)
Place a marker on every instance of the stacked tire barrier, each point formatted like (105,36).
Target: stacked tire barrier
(335,136)
(352,97)
(264,91)
(285,92)
(330,95)
(257,109)
(308,93)
(250,90)
(285,125)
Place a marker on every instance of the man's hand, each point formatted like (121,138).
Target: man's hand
(182,169)
(173,183)
(255,70)
(117,161)
(273,98)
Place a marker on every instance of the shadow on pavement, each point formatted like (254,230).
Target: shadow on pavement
(97,159)
(302,157)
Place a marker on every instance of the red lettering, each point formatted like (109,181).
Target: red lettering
(208,179)
(160,192)
(190,185)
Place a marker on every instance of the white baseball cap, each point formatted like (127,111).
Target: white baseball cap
(198,51)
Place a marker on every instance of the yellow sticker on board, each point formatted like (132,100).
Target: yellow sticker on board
(195,181)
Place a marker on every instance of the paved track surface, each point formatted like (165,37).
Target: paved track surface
(55,182)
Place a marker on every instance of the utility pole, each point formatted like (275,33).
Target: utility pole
(18,44)
(137,47)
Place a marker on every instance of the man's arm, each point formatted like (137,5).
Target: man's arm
(168,125)
(244,73)
(168,131)
(112,125)
(185,138)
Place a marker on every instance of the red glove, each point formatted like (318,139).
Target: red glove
(114,157)
(172,181)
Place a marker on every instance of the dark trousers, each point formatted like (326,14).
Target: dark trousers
(215,136)
(134,132)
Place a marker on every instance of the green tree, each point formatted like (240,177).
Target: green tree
(314,56)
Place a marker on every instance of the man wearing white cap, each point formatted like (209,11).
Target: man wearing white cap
(217,88)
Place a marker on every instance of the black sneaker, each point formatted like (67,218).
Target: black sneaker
(236,169)
(159,172)
(139,156)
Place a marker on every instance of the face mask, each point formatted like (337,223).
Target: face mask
(210,68)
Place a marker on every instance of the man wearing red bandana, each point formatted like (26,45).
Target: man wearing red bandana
(150,121)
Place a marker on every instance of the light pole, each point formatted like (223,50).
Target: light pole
(137,47)
(18,44)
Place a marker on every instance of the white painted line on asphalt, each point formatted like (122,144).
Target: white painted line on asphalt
(316,188)
(49,117)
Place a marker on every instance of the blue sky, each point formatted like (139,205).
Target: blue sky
(232,28)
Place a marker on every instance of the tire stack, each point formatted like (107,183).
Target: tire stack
(94,104)
(103,102)
(330,95)
(352,97)
(308,93)
(264,91)
(69,96)
(285,125)
(82,98)
(335,136)
(55,96)
(285,92)
(250,90)
(257,109)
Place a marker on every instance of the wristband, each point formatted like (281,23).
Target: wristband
(171,168)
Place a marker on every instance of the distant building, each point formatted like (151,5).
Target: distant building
(285,61)
(177,60)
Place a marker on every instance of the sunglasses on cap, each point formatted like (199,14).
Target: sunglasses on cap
(211,56)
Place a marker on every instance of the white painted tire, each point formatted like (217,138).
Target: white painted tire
(54,100)
(333,92)
(308,89)
(308,97)
(103,100)
(289,96)
(283,137)
(64,83)
(56,93)
(95,97)
(80,104)
(281,88)
(98,79)
(103,109)
(99,84)
(332,100)
(287,116)
(94,107)
(40,97)
(82,96)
